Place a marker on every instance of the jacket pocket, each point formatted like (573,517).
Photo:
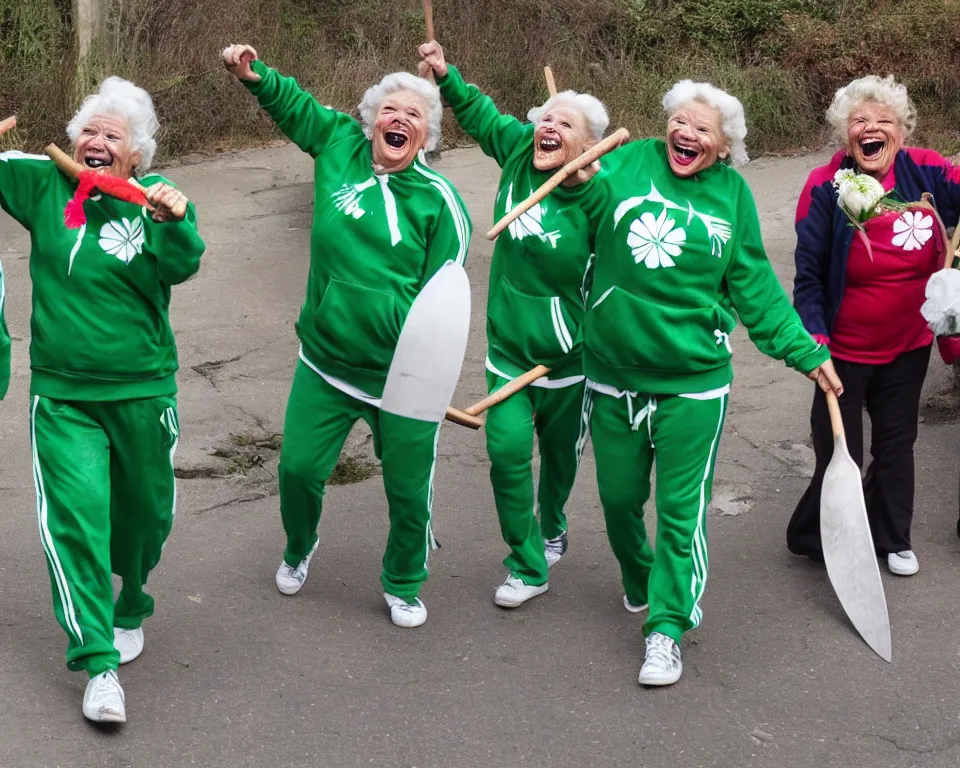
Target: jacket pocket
(626,331)
(536,329)
(358,326)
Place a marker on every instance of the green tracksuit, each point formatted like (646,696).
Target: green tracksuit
(677,261)
(539,278)
(103,416)
(376,240)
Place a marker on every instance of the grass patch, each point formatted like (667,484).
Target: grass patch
(351,470)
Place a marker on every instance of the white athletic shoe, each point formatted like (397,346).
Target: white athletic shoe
(404,614)
(128,642)
(633,608)
(903,563)
(513,592)
(661,665)
(290,580)
(103,700)
(554,549)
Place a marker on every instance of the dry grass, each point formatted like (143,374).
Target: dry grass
(783,58)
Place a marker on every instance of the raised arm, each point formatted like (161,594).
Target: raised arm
(303,120)
(496,133)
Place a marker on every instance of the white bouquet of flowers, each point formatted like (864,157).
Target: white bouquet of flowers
(860,195)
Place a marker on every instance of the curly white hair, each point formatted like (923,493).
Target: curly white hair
(589,106)
(121,98)
(883,90)
(732,119)
(403,81)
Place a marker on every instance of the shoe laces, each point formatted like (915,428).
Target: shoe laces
(294,573)
(661,650)
(556,545)
(408,607)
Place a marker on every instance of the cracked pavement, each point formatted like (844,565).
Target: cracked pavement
(234,675)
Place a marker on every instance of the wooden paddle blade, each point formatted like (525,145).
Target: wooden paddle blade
(429,354)
(848,551)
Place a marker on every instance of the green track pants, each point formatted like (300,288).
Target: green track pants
(555,416)
(318,420)
(103,472)
(683,434)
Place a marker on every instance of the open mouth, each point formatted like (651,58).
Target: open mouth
(684,155)
(549,145)
(97,162)
(871,148)
(395,140)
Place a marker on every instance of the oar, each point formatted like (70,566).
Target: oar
(848,549)
(551,85)
(608,144)
(431,33)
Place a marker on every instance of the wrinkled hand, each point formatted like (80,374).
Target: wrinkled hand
(585,174)
(432,55)
(7,124)
(826,377)
(237,58)
(170,203)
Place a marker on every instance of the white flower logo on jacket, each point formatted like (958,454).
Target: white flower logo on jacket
(912,229)
(656,241)
(530,223)
(123,239)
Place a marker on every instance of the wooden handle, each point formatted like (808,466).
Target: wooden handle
(71,167)
(836,420)
(508,389)
(428,16)
(8,124)
(463,419)
(610,143)
(551,85)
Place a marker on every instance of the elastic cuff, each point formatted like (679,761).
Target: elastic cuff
(670,630)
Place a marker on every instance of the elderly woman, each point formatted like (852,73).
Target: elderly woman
(383,224)
(679,257)
(103,410)
(859,290)
(538,281)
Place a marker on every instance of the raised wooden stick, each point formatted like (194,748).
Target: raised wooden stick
(431,33)
(551,85)
(610,143)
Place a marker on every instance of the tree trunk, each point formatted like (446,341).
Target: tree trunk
(89,19)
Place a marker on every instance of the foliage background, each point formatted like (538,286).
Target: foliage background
(783,58)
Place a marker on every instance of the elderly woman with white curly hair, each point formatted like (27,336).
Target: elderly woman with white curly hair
(538,282)
(103,411)
(679,259)
(383,224)
(862,271)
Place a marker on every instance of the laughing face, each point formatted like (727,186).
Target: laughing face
(874,137)
(695,138)
(104,145)
(561,135)
(399,131)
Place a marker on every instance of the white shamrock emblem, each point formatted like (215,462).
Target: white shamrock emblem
(123,239)
(655,242)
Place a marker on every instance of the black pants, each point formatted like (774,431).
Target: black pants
(892,396)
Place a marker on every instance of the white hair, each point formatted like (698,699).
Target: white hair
(121,98)
(732,120)
(589,106)
(403,81)
(886,91)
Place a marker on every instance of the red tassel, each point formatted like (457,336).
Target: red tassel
(74,216)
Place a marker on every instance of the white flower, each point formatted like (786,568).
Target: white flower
(913,230)
(123,239)
(655,241)
(858,193)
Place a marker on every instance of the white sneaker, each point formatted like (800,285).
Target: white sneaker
(290,580)
(903,563)
(554,549)
(661,665)
(403,614)
(128,642)
(103,700)
(513,592)
(633,608)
